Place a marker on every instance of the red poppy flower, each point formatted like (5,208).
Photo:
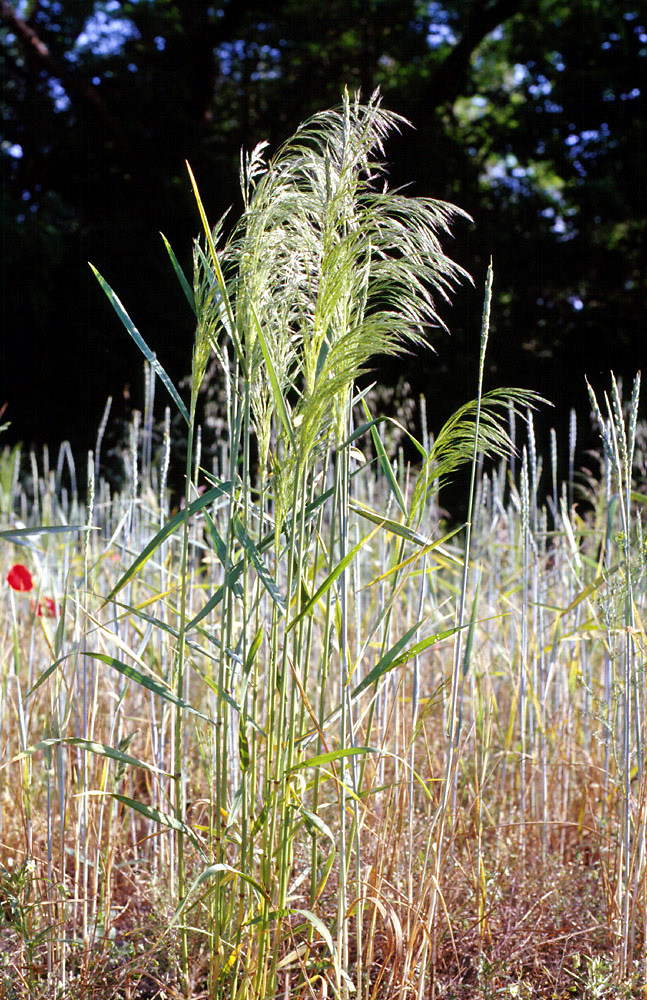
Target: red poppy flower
(47,607)
(19,578)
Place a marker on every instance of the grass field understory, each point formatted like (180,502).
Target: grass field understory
(298,732)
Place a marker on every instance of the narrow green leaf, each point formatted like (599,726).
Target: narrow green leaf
(243,746)
(402,530)
(385,662)
(389,662)
(221,551)
(279,401)
(217,690)
(157,687)
(472,629)
(319,926)
(186,287)
(332,576)
(15,534)
(165,819)
(328,758)
(165,531)
(93,747)
(209,873)
(50,670)
(263,573)
(150,619)
(590,589)
(218,273)
(253,650)
(384,461)
(416,557)
(315,824)
(150,356)
(212,603)
(323,354)
(259,821)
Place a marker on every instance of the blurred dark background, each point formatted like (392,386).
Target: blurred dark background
(529,114)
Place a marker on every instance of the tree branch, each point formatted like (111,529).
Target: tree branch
(449,78)
(39,53)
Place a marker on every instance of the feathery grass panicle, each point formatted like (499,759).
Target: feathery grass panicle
(332,269)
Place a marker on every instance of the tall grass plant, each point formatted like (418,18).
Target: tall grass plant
(299,736)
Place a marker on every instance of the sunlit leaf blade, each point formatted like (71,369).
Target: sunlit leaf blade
(150,356)
(315,825)
(49,671)
(208,873)
(332,755)
(218,271)
(216,688)
(253,650)
(320,927)
(92,746)
(384,461)
(243,747)
(186,287)
(221,551)
(16,534)
(163,818)
(279,400)
(385,661)
(394,658)
(207,608)
(416,557)
(402,530)
(166,531)
(590,589)
(144,680)
(332,576)
(264,574)
(471,632)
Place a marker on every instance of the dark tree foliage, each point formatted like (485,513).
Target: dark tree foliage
(530,114)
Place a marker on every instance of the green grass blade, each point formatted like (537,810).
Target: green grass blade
(165,531)
(416,557)
(315,825)
(216,688)
(590,589)
(264,574)
(212,603)
(332,755)
(320,927)
(50,670)
(165,819)
(157,687)
(181,277)
(390,662)
(384,462)
(402,530)
(279,400)
(332,576)
(221,551)
(207,874)
(16,534)
(150,356)
(385,662)
(218,273)
(93,747)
